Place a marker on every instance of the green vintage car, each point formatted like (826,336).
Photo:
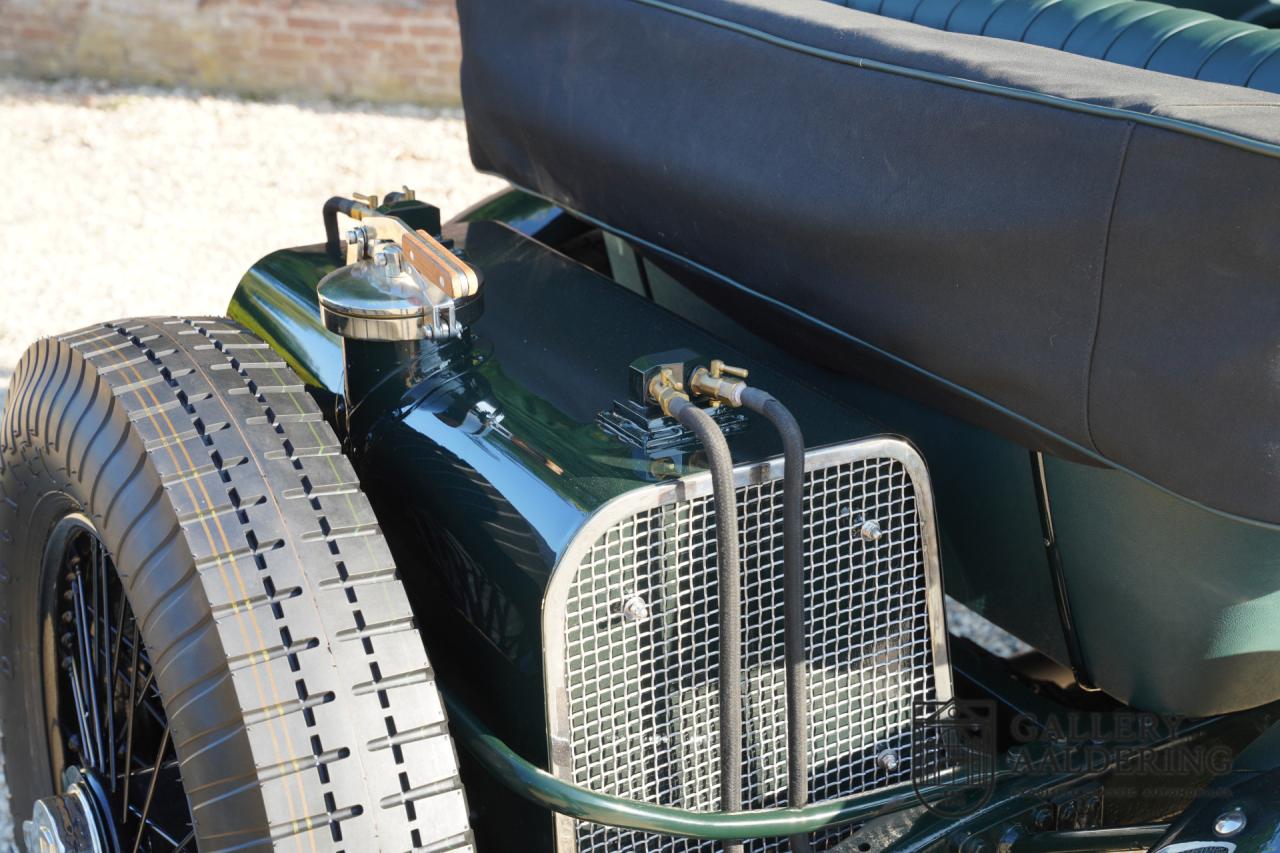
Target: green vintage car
(620,512)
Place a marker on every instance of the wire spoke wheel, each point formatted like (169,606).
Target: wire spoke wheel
(109,737)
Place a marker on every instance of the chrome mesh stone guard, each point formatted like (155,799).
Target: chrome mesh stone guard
(629,627)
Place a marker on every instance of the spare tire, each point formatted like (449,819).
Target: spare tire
(170,493)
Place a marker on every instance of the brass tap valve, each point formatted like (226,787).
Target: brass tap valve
(712,383)
(664,389)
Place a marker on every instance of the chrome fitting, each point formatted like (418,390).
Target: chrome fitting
(665,390)
(1230,822)
(713,384)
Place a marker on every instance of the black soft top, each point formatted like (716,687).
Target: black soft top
(1052,244)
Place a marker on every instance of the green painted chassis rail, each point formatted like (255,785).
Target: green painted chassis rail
(541,787)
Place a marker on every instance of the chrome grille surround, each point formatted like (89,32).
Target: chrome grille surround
(630,640)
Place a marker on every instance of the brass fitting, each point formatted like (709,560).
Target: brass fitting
(664,390)
(712,383)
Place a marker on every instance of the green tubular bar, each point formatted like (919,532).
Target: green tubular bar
(1094,840)
(541,787)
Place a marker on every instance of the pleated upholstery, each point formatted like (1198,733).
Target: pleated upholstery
(1171,40)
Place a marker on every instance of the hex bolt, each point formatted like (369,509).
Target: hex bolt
(1067,814)
(358,237)
(634,609)
(1230,822)
(870,531)
(388,258)
(887,760)
(1042,818)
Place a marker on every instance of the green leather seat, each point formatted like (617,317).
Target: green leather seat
(1185,42)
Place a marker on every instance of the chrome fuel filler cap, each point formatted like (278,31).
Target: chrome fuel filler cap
(399,283)
(400,300)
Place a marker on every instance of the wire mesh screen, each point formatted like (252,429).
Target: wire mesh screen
(640,631)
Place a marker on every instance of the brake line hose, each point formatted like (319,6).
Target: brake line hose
(793,618)
(729,581)
(726,384)
(735,392)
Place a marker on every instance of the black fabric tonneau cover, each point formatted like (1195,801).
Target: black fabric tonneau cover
(1088,248)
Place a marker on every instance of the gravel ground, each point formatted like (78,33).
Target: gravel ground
(136,201)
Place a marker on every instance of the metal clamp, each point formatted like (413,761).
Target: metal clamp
(422,252)
(713,384)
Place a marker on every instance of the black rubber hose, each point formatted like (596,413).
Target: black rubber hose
(729,580)
(793,616)
(332,239)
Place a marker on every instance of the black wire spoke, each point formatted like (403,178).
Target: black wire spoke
(142,769)
(143,824)
(82,712)
(109,707)
(154,828)
(150,701)
(103,627)
(182,845)
(88,678)
(113,679)
(128,749)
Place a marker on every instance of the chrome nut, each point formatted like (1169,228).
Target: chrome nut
(1230,822)
(634,609)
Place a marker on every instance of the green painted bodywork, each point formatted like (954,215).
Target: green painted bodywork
(1177,607)
(992,543)
(488,458)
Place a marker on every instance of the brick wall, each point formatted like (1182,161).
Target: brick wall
(379,50)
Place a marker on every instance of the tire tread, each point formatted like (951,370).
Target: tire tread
(210,435)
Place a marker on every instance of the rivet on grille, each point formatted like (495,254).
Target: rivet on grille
(634,609)
(870,531)
(887,760)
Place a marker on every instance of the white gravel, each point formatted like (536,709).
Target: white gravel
(131,201)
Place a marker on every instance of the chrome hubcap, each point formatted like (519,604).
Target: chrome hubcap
(68,823)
